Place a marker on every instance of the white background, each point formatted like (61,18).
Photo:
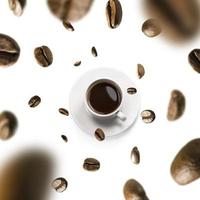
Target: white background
(166,67)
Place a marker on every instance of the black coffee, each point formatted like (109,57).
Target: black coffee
(104,97)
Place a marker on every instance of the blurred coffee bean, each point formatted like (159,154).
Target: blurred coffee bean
(151,28)
(99,134)
(114,13)
(131,90)
(91,164)
(185,167)
(94,52)
(8,125)
(77,63)
(17,6)
(176,105)
(63,111)
(148,116)
(194,59)
(9,50)
(179,18)
(133,190)
(70,10)
(135,155)
(34,101)
(64,137)
(68,26)
(59,184)
(140,71)
(44,56)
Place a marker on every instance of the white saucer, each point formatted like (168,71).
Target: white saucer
(86,121)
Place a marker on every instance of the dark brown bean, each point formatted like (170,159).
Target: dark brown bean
(91,164)
(94,52)
(77,63)
(63,111)
(59,184)
(194,59)
(34,101)
(44,56)
(131,90)
(135,155)
(176,105)
(148,116)
(68,26)
(99,134)
(185,167)
(151,28)
(64,137)
(140,71)
(17,6)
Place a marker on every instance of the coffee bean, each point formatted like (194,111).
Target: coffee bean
(70,10)
(185,167)
(59,184)
(140,71)
(114,13)
(99,134)
(17,6)
(151,28)
(68,26)
(133,190)
(77,63)
(94,52)
(34,101)
(131,90)
(91,164)
(135,155)
(194,59)
(44,56)
(9,50)
(8,125)
(148,116)
(63,111)
(64,138)
(176,105)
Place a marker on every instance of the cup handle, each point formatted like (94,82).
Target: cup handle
(121,115)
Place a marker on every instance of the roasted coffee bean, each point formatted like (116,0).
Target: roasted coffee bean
(34,101)
(148,116)
(94,52)
(176,106)
(131,90)
(151,28)
(91,164)
(140,71)
(44,56)
(77,63)
(185,167)
(9,50)
(194,59)
(64,137)
(59,184)
(8,125)
(135,155)
(17,6)
(63,111)
(133,190)
(99,134)
(70,10)
(68,26)
(114,13)
(179,19)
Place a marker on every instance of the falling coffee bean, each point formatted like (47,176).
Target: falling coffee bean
(59,184)
(151,28)
(99,134)
(44,56)
(91,164)
(77,63)
(63,111)
(194,59)
(131,90)
(34,101)
(70,10)
(133,190)
(114,13)
(176,105)
(140,71)
(185,167)
(17,6)
(8,125)
(148,116)
(64,137)
(9,50)
(94,52)
(135,155)
(68,26)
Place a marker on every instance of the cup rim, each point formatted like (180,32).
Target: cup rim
(89,108)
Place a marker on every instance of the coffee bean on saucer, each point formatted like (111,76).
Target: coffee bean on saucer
(194,59)
(176,105)
(63,111)
(148,116)
(91,164)
(94,52)
(44,56)
(9,50)
(99,134)
(151,28)
(17,6)
(59,184)
(185,167)
(133,190)
(140,71)
(135,155)
(77,63)
(114,13)
(34,101)
(131,90)
(64,137)
(68,26)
